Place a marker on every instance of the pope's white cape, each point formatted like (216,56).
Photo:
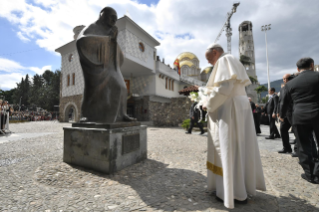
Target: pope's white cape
(233,159)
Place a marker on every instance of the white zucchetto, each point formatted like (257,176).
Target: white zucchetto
(214,45)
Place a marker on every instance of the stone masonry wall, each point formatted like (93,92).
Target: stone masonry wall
(67,102)
(169,114)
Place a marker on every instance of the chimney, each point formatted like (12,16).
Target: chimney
(77,31)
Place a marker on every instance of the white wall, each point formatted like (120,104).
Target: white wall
(143,86)
(68,68)
(162,91)
(129,43)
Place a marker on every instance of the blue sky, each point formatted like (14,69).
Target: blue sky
(32,29)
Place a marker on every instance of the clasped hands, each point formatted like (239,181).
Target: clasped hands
(278,116)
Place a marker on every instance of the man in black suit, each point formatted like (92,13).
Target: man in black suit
(303,91)
(194,117)
(256,121)
(270,109)
(285,125)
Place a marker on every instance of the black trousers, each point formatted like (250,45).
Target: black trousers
(284,132)
(193,121)
(257,122)
(307,149)
(272,126)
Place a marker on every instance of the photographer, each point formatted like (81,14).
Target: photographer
(303,91)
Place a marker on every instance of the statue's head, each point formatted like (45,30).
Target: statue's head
(108,16)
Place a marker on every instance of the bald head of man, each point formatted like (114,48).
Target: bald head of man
(285,78)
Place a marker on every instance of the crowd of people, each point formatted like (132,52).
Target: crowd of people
(32,116)
(7,113)
(296,107)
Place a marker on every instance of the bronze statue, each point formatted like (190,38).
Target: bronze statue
(105,92)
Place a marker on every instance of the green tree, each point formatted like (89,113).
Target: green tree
(8,95)
(52,89)
(37,91)
(265,99)
(26,91)
(259,90)
(253,79)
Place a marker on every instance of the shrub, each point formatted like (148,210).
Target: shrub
(186,123)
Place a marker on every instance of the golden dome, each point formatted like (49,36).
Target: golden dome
(187,63)
(207,69)
(186,54)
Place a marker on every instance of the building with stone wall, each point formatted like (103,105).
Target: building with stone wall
(152,85)
(247,48)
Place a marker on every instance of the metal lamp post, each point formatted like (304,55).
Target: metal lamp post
(266,28)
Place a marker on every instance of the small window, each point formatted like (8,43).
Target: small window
(166,83)
(169,84)
(141,46)
(68,80)
(71,57)
(73,78)
(172,85)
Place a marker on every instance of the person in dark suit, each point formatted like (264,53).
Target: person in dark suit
(303,91)
(194,117)
(257,117)
(263,118)
(285,125)
(253,110)
(270,109)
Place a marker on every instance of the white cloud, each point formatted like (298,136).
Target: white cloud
(50,22)
(9,81)
(14,71)
(22,37)
(7,65)
(40,71)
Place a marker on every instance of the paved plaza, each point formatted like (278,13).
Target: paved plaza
(173,178)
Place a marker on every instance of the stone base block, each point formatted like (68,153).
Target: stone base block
(105,148)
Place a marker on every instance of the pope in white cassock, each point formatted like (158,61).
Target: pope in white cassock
(233,160)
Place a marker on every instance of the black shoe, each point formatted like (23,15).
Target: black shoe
(277,136)
(188,133)
(270,137)
(202,133)
(293,142)
(242,202)
(285,151)
(294,155)
(313,180)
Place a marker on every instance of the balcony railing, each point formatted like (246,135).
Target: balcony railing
(192,81)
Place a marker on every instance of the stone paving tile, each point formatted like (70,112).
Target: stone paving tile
(173,178)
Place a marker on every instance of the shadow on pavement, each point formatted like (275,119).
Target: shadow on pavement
(170,189)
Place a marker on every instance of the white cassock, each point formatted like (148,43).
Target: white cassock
(233,160)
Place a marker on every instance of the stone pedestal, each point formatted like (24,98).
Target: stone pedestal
(105,147)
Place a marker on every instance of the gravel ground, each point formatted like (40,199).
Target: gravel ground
(173,178)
